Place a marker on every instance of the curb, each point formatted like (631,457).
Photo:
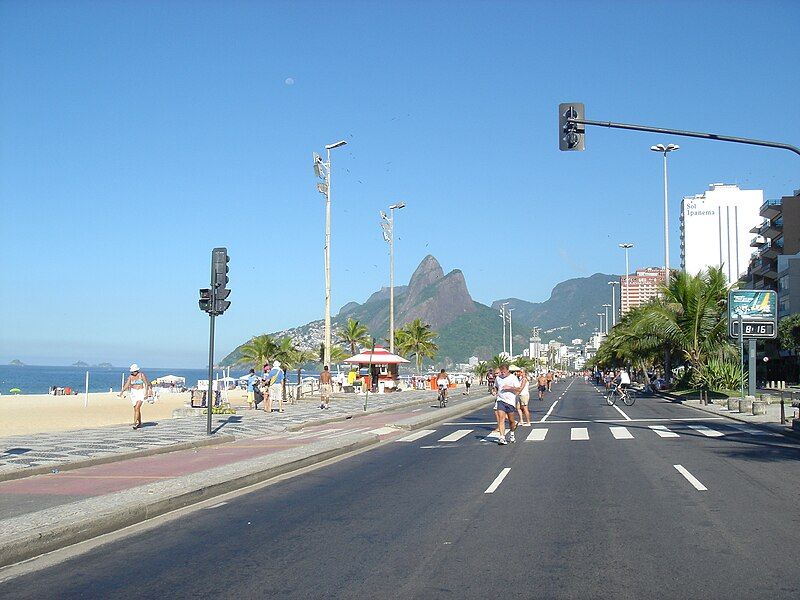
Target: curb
(777,428)
(34,534)
(103,460)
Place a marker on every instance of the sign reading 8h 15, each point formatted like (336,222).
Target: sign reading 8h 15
(758,310)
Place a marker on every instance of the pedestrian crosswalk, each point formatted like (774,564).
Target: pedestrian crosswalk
(616,432)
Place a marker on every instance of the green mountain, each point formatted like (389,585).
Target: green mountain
(466,328)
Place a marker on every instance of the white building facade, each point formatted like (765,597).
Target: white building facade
(715,229)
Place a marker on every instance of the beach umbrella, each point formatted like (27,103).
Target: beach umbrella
(15,390)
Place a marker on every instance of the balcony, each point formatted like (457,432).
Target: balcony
(757,241)
(770,229)
(771,209)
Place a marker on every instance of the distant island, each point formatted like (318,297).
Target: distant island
(105,366)
(17,363)
(80,363)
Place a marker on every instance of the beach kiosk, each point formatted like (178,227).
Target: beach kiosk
(383,366)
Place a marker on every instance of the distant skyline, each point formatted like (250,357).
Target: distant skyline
(135,137)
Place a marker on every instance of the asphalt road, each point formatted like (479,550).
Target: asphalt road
(588,509)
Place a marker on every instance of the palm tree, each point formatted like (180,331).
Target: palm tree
(257,351)
(416,339)
(497,360)
(354,334)
(481,369)
(337,354)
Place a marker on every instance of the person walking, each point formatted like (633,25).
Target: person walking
(325,387)
(505,390)
(524,398)
(541,385)
(252,384)
(467,383)
(139,387)
(549,378)
(275,382)
(490,377)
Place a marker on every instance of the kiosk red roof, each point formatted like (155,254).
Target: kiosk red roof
(381,356)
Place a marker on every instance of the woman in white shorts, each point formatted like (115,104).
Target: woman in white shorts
(139,387)
(523,398)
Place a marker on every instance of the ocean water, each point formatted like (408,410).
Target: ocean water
(38,379)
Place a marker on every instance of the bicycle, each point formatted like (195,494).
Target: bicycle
(442,396)
(627,395)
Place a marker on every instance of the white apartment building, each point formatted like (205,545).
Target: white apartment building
(715,229)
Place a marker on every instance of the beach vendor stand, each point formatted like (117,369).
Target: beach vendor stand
(383,367)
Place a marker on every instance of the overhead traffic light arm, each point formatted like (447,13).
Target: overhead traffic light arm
(695,134)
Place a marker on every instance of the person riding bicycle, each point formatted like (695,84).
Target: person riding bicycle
(623,380)
(443,381)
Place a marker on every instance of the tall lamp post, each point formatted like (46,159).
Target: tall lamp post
(388,235)
(625,247)
(665,150)
(613,302)
(503,316)
(602,328)
(606,307)
(510,335)
(323,171)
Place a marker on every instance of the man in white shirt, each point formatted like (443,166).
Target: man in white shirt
(623,379)
(506,387)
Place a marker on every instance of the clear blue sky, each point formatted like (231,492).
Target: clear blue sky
(136,136)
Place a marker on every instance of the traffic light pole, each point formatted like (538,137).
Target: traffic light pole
(695,134)
(210,392)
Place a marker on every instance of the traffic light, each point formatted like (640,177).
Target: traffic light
(219,280)
(220,304)
(206,300)
(571,135)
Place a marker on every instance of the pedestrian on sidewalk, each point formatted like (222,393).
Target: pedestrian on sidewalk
(275,380)
(325,387)
(490,377)
(253,394)
(505,390)
(524,398)
(139,387)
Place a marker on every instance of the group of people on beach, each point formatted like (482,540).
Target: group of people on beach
(512,395)
(268,387)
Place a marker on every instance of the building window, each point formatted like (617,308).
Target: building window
(783,306)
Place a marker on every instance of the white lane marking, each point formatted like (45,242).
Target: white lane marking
(663,431)
(383,430)
(536,435)
(456,435)
(416,435)
(438,446)
(621,433)
(497,481)
(691,478)
(579,433)
(217,505)
(619,410)
(348,432)
(413,411)
(655,420)
(706,431)
(552,406)
(753,430)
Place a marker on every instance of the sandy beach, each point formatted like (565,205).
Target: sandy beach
(38,413)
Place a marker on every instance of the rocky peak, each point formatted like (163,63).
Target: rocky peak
(429,271)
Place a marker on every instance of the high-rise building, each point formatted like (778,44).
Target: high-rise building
(715,229)
(640,287)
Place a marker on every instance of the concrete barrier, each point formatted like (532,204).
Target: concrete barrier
(746,404)
(733,404)
(759,407)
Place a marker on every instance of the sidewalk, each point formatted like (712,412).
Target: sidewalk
(164,466)
(771,420)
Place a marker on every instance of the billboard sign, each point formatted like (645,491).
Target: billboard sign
(758,310)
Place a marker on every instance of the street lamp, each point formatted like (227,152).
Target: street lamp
(625,247)
(665,150)
(388,235)
(606,307)
(503,316)
(602,329)
(510,336)
(323,171)
(613,302)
